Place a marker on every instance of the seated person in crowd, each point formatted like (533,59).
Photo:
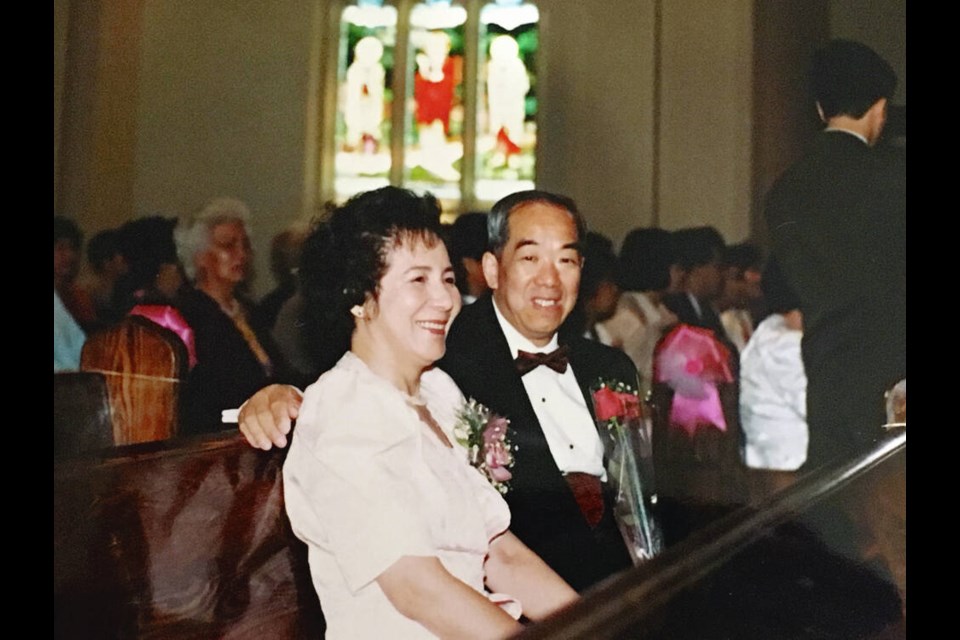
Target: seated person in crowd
(234,356)
(154,278)
(773,390)
(284,262)
(301,329)
(405,538)
(68,338)
(599,291)
(737,303)
(467,239)
(67,249)
(699,251)
(636,326)
(68,335)
(107,266)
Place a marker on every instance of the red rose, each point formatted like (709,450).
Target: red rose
(607,403)
(631,405)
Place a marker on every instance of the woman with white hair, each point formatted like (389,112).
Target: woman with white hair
(235,356)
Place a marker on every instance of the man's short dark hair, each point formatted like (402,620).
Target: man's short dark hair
(645,258)
(66,229)
(777,292)
(849,77)
(743,256)
(103,247)
(497,220)
(697,246)
(468,236)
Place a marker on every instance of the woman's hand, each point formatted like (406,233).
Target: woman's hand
(421,589)
(512,568)
(265,418)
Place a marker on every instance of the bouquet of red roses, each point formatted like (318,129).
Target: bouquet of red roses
(628,455)
(692,362)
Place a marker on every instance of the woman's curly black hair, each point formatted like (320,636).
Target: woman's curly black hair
(345,257)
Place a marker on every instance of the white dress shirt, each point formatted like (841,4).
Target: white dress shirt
(560,407)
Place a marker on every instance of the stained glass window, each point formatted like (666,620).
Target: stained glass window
(433,150)
(507,108)
(466,71)
(364,73)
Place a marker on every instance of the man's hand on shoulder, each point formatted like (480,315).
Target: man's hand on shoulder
(265,418)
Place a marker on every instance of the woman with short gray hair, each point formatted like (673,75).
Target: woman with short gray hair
(235,356)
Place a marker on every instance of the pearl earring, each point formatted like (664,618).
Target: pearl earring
(357,311)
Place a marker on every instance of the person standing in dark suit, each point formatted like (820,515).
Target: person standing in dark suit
(838,224)
(560,503)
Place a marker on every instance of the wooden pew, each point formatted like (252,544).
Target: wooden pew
(186,538)
(145,366)
(82,419)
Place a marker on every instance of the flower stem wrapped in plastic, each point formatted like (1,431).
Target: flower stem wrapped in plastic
(629,456)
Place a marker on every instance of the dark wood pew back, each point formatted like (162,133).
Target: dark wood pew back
(82,419)
(186,538)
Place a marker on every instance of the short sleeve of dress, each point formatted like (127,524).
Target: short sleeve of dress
(349,478)
(496,513)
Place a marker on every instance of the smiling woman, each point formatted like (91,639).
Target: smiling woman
(406,539)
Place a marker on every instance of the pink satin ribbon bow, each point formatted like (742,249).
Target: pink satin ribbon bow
(168,317)
(692,361)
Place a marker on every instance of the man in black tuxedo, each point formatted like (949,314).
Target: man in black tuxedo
(561,506)
(838,224)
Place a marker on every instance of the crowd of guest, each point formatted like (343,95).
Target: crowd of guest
(187,275)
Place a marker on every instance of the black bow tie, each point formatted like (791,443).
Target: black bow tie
(556,360)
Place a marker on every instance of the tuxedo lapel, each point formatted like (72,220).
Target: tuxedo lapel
(480,361)
(585,371)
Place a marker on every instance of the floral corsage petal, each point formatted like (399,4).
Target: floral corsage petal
(484,435)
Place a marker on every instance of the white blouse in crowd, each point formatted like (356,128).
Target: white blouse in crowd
(366,482)
(773,397)
(635,328)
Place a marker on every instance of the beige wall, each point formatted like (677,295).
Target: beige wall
(94,169)
(597,109)
(706,115)
(61,12)
(674,112)
(882,24)
(222,112)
